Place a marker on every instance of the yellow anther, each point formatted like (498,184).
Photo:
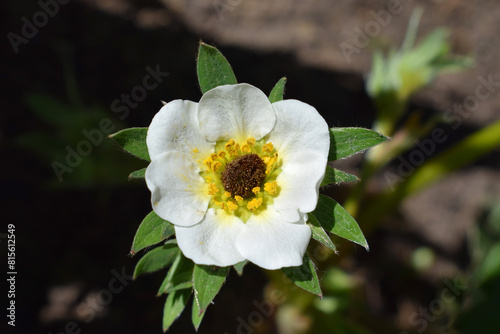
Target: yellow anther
(212,189)
(238,198)
(195,150)
(268,147)
(222,154)
(271,162)
(229,145)
(208,162)
(232,206)
(237,147)
(266,159)
(245,148)
(215,166)
(254,204)
(214,156)
(251,141)
(271,187)
(256,190)
(227,193)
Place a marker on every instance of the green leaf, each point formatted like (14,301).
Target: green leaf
(239,267)
(319,234)
(138,174)
(179,276)
(157,259)
(207,281)
(305,276)
(174,305)
(490,267)
(278,91)
(213,68)
(345,142)
(335,219)
(133,140)
(336,176)
(152,230)
(196,315)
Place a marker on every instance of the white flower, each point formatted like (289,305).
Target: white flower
(237,175)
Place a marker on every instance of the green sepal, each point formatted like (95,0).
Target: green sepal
(138,174)
(305,276)
(157,259)
(207,281)
(335,176)
(345,142)
(179,276)
(335,219)
(151,231)
(133,140)
(239,267)
(318,233)
(174,305)
(213,68)
(278,91)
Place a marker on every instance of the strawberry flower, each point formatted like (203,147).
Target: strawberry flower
(236,175)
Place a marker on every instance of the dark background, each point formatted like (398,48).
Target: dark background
(72,235)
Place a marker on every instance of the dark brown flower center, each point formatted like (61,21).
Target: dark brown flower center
(243,174)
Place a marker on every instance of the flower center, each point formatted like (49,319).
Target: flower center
(243,174)
(241,177)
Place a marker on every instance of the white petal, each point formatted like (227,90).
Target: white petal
(302,138)
(299,128)
(235,111)
(272,243)
(299,184)
(213,240)
(175,128)
(178,192)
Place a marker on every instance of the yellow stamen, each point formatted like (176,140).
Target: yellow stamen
(251,141)
(195,150)
(222,154)
(270,162)
(231,205)
(212,189)
(227,193)
(245,148)
(215,166)
(271,187)
(229,145)
(214,156)
(268,147)
(256,190)
(208,162)
(238,198)
(254,204)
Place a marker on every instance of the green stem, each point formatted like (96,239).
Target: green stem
(468,150)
